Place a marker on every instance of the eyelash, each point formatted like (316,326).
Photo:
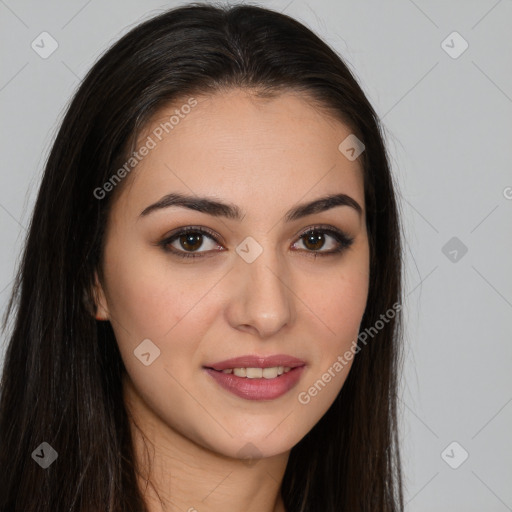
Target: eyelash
(344,241)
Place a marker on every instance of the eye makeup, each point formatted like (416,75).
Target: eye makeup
(194,236)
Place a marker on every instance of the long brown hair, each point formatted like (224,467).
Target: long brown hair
(62,375)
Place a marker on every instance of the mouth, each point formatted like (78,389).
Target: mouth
(271,372)
(257,377)
(256,362)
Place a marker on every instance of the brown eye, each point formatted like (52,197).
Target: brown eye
(186,242)
(191,241)
(314,240)
(319,237)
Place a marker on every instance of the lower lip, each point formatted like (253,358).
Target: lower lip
(257,389)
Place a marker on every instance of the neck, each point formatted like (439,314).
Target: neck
(177,474)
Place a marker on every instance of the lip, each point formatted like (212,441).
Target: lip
(252,361)
(257,389)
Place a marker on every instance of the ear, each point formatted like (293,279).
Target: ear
(100,303)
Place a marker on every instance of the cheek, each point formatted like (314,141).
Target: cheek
(147,298)
(337,306)
(338,301)
(341,303)
(152,301)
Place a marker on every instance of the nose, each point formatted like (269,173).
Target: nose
(261,301)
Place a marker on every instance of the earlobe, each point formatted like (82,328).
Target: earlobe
(100,303)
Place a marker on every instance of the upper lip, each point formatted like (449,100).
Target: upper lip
(252,361)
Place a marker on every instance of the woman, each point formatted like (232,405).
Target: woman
(207,313)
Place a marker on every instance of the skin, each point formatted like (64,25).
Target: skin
(266,156)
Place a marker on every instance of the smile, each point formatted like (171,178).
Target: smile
(258,373)
(257,377)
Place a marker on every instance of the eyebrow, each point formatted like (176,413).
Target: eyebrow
(232,211)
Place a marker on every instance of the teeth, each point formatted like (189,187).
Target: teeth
(254,373)
(270,373)
(258,373)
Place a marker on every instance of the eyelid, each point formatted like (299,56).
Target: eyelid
(344,240)
(175,234)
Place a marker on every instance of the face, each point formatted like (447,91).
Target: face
(256,277)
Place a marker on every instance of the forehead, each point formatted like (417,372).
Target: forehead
(258,152)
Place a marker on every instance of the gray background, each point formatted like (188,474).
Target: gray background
(448,124)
